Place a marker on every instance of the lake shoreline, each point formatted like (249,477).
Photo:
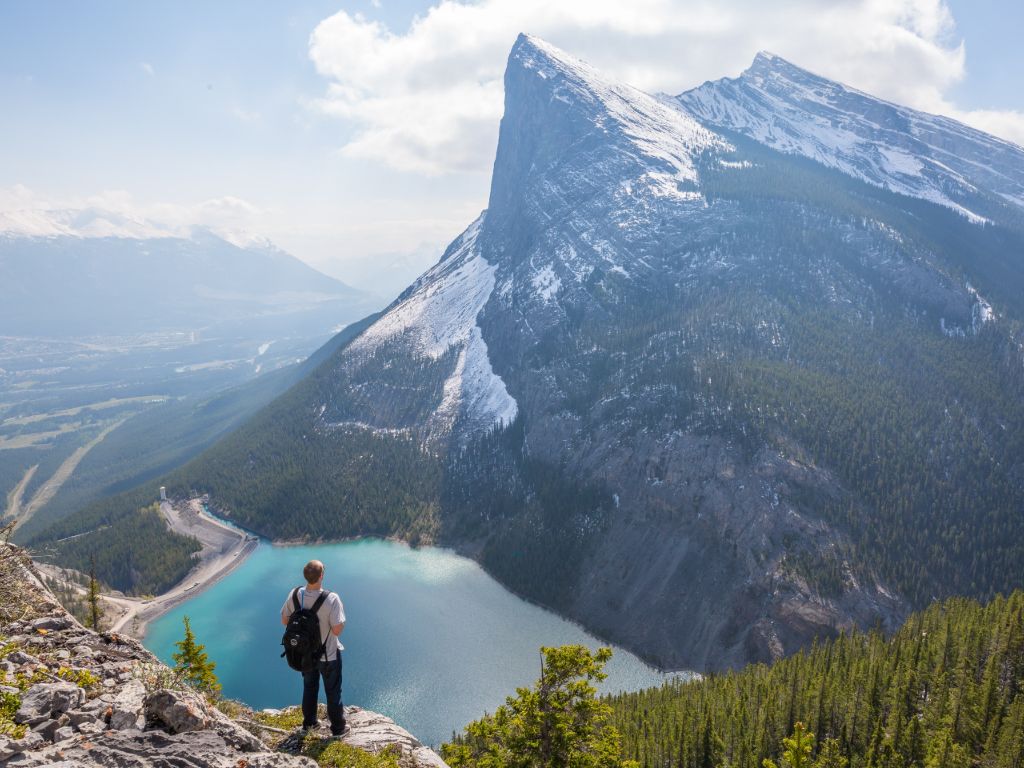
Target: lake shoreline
(469,550)
(432,640)
(224,549)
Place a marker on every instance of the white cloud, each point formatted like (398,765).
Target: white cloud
(117,213)
(1005,123)
(429,99)
(245,115)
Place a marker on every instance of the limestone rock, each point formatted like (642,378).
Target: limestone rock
(374,733)
(136,749)
(175,712)
(126,711)
(10,747)
(233,733)
(50,623)
(21,659)
(43,700)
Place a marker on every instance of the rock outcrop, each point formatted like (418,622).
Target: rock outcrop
(85,698)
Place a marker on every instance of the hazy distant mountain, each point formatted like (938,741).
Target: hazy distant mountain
(713,374)
(388,274)
(70,285)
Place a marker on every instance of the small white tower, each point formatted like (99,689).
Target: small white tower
(163,493)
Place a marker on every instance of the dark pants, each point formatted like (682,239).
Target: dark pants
(330,671)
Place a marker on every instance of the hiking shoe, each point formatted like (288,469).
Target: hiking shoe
(308,728)
(344,732)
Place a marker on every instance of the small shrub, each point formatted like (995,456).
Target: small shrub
(338,754)
(6,647)
(23,682)
(286,720)
(9,704)
(83,678)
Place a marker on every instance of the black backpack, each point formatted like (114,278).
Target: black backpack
(302,640)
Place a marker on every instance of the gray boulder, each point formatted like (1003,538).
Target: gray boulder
(175,711)
(10,746)
(157,749)
(45,700)
(126,711)
(233,733)
(21,658)
(47,728)
(51,623)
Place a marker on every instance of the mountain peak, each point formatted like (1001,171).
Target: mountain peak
(769,70)
(766,57)
(795,111)
(555,102)
(550,64)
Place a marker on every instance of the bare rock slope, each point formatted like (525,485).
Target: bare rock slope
(84,698)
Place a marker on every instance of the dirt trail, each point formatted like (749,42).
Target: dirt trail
(49,489)
(14,498)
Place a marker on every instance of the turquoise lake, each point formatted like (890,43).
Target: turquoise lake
(431,640)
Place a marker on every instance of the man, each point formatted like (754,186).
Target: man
(331,616)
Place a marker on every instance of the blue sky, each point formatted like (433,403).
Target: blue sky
(314,114)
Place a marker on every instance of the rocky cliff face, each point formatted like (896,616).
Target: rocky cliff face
(76,697)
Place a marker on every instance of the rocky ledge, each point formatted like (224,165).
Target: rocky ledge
(73,697)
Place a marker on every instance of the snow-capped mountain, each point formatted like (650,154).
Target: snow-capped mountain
(120,280)
(914,153)
(705,396)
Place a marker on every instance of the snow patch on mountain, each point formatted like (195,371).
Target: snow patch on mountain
(474,392)
(981,312)
(546,283)
(440,312)
(440,309)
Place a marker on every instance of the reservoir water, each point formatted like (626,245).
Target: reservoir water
(431,640)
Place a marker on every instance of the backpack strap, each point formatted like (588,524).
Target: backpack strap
(295,599)
(320,601)
(322,650)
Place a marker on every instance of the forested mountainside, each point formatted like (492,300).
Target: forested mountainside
(707,395)
(947,691)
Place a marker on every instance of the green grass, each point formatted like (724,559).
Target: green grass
(338,754)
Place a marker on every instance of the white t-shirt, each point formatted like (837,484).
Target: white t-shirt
(331,614)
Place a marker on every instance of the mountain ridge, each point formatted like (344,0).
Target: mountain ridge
(113,285)
(796,111)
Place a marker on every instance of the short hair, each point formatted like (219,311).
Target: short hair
(313,571)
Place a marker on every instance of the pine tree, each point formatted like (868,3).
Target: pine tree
(559,723)
(831,756)
(193,665)
(95,612)
(797,749)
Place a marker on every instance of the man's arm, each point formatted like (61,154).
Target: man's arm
(337,616)
(286,610)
